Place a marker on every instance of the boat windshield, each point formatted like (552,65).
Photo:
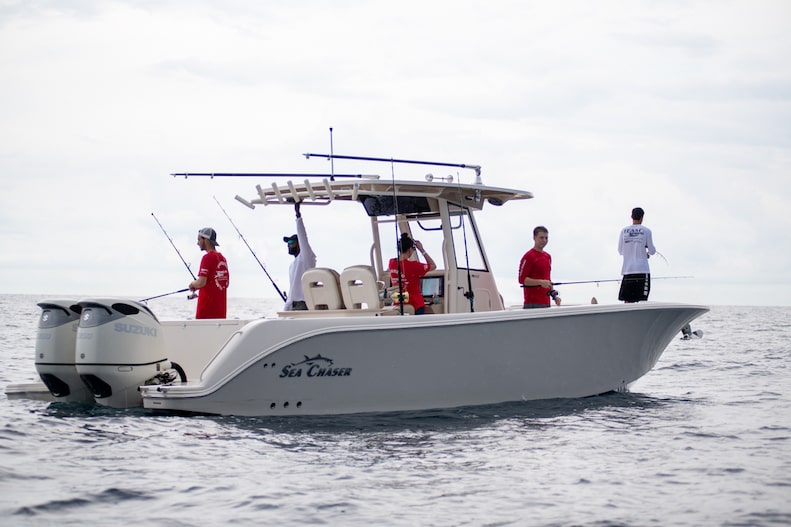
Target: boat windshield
(428,229)
(465,241)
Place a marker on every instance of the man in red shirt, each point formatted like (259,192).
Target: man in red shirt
(410,271)
(213,278)
(534,272)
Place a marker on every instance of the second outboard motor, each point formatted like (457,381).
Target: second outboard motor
(119,346)
(55,343)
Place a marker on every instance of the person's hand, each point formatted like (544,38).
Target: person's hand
(418,245)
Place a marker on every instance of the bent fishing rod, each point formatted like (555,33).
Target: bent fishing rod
(193,295)
(279,292)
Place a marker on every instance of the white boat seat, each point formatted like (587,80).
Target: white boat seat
(321,286)
(359,288)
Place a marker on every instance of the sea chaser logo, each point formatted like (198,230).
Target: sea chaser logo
(317,366)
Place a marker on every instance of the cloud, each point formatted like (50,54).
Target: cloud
(595,108)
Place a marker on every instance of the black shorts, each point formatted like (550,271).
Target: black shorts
(635,287)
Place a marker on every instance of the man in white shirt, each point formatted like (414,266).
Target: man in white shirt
(636,245)
(304,259)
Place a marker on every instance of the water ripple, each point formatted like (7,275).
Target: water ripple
(703,439)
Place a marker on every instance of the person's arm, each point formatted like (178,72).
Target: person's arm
(305,250)
(428,258)
(197,283)
(525,267)
(203,272)
(533,282)
(649,243)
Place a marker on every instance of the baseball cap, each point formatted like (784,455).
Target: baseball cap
(210,234)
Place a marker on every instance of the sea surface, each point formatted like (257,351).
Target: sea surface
(703,439)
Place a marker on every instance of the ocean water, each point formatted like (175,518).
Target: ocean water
(703,439)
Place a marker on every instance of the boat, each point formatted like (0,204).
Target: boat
(356,349)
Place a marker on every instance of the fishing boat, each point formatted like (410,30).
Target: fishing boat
(355,349)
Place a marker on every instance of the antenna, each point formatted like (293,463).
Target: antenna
(332,159)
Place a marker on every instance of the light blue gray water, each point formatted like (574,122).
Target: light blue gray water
(703,439)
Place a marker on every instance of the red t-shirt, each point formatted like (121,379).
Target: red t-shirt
(411,271)
(538,265)
(212,296)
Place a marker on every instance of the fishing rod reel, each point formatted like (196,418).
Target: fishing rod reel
(553,294)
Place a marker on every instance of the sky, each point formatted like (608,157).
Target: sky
(680,107)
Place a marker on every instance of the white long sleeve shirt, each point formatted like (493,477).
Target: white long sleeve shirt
(635,244)
(306,259)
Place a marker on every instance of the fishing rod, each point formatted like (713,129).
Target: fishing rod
(398,245)
(469,294)
(190,297)
(279,292)
(613,280)
(331,156)
(165,294)
(213,175)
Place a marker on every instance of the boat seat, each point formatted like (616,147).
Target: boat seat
(359,288)
(321,286)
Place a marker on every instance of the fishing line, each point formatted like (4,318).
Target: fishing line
(279,292)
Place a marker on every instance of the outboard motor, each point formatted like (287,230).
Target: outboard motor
(55,343)
(119,346)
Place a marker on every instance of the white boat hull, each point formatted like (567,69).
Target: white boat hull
(320,365)
(343,355)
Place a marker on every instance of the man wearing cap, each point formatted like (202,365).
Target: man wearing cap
(213,277)
(635,244)
(304,259)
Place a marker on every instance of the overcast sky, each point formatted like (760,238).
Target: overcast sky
(680,107)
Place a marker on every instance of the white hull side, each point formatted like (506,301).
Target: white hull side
(193,343)
(439,361)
